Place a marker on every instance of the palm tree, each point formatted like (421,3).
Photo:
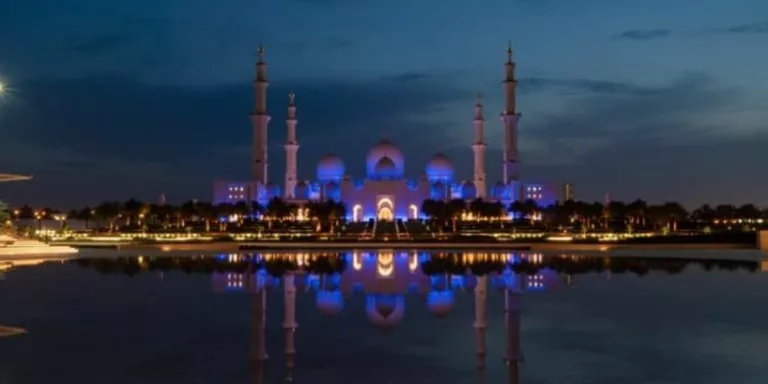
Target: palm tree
(704,214)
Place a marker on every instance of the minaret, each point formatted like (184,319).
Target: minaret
(481,323)
(510,118)
(289,324)
(478,148)
(513,355)
(260,120)
(291,148)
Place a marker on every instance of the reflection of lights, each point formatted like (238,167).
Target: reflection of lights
(414,211)
(385,264)
(357,261)
(413,264)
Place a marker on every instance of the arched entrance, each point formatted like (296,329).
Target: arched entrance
(357,212)
(385,209)
(385,214)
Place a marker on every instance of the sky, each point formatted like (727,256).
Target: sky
(654,99)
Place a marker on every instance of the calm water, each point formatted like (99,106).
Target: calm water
(569,320)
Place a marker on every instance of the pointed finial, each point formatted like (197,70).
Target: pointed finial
(479,98)
(261,53)
(292,97)
(509,51)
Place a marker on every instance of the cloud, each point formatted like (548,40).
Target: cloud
(644,34)
(409,77)
(86,127)
(680,136)
(751,28)
(581,86)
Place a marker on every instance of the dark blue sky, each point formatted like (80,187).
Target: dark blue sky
(660,99)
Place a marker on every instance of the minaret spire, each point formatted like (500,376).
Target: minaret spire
(478,148)
(510,118)
(260,121)
(291,149)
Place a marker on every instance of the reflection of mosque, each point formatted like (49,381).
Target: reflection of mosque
(385,277)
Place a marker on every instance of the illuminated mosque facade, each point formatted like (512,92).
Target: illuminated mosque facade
(385,193)
(385,277)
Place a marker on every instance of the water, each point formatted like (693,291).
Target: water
(125,321)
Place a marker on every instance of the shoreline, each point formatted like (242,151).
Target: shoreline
(312,245)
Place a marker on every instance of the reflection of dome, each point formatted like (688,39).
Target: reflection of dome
(440,303)
(439,167)
(385,311)
(329,302)
(385,148)
(330,167)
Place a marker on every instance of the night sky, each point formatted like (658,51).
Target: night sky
(659,99)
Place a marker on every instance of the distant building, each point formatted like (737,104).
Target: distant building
(384,193)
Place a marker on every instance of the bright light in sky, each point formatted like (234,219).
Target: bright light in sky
(2,88)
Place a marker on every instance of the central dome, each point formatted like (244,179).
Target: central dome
(385,168)
(385,149)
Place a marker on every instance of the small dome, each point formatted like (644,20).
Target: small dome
(330,302)
(440,303)
(439,167)
(302,190)
(468,190)
(272,190)
(330,167)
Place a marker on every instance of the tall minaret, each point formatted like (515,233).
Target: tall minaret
(478,148)
(510,118)
(481,323)
(513,355)
(289,323)
(291,148)
(260,120)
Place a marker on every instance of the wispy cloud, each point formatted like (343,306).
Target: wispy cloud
(750,28)
(644,34)
(582,86)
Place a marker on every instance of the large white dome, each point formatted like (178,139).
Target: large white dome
(382,149)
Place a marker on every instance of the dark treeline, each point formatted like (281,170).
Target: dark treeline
(616,215)
(437,265)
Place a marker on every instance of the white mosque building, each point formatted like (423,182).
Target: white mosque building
(384,192)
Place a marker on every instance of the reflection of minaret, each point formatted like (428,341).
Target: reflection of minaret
(513,355)
(258,331)
(289,323)
(478,147)
(291,148)
(480,318)
(510,119)
(260,120)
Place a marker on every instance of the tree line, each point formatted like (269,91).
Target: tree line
(633,215)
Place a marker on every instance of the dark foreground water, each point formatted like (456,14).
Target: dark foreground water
(374,319)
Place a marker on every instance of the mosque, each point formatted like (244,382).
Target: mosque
(385,193)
